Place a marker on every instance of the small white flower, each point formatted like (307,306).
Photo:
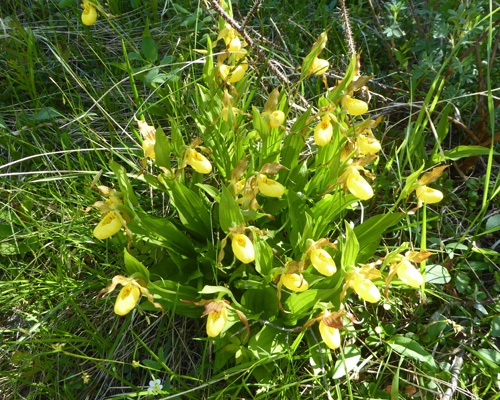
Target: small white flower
(155,385)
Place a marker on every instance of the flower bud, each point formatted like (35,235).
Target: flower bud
(323,262)
(354,106)
(242,248)
(270,187)
(409,274)
(109,225)
(127,299)
(199,162)
(429,195)
(294,282)
(368,145)
(323,132)
(216,322)
(366,289)
(89,14)
(331,336)
(358,186)
(319,66)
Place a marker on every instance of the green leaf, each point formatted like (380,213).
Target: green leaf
(210,190)
(309,59)
(350,248)
(410,181)
(267,342)
(263,256)
(148,48)
(208,68)
(261,302)
(492,224)
(192,211)
(370,232)
(229,211)
(301,303)
(259,124)
(436,274)
(495,327)
(162,149)
(352,355)
(177,139)
(133,266)
(169,294)
(123,181)
(462,152)
(328,209)
(411,349)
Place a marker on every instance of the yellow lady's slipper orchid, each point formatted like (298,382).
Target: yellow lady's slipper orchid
(242,248)
(331,336)
(408,273)
(294,282)
(127,299)
(108,226)
(89,14)
(232,41)
(232,74)
(360,280)
(403,266)
(129,295)
(276,118)
(323,132)
(366,289)
(198,161)
(216,321)
(319,66)
(367,144)
(269,187)
(322,261)
(148,132)
(357,185)
(429,195)
(354,106)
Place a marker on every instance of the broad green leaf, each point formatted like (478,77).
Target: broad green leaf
(259,124)
(261,301)
(162,149)
(436,274)
(177,139)
(192,211)
(134,266)
(149,48)
(169,294)
(328,209)
(208,68)
(172,238)
(370,232)
(263,256)
(335,94)
(229,211)
(207,289)
(301,303)
(495,327)
(411,349)
(267,342)
(352,355)
(492,224)
(350,248)
(123,181)
(296,217)
(210,190)
(490,357)
(463,152)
